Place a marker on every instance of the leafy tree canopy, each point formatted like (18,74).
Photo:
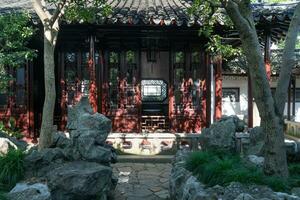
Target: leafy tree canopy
(15,33)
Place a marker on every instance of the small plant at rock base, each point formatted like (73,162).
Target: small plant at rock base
(12,131)
(11,169)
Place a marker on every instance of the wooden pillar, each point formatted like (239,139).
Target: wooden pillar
(289,102)
(218,90)
(99,80)
(29,91)
(267,57)
(63,92)
(250,102)
(139,89)
(105,87)
(171,92)
(294,97)
(92,71)
(208,90)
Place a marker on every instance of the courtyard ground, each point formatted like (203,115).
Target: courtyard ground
(142,181)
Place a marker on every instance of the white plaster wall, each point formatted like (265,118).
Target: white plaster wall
(241,108)
(236,108)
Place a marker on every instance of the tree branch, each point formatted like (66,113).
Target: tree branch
(38,7)
(44,6)
(233,11)
(59,11)
(288,62)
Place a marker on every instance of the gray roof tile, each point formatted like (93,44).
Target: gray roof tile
(167,12)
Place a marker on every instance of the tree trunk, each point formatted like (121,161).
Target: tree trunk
(275,152)
(272,123)
(50,94)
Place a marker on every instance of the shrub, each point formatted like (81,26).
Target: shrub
(221,168)
(13,131)
(2,196)
(11,169)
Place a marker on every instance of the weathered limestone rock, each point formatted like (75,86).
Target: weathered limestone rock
(193,189)
(256,160)
(256,146)
(20,144)
(184,186)
(94,121)
(24,191)
(256,191)
(80,180)
(6,145)
(296,191)
(38,162)
(61,140)
(244,196)
(74,112)
(179,176)
(91,151)
(256,135)
(77,166)
(220,135)
(239,124)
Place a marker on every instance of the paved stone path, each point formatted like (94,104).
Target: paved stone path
(142,181)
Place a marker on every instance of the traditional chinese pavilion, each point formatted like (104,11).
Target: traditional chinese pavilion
(145,67)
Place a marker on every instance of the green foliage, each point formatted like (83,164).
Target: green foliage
(281,43)
(221,168)
(14,36)
(83,11)
(12,130)
(211,14)
(15,33)
(2,196)
(11,169)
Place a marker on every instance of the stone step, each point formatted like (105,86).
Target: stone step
(145,159)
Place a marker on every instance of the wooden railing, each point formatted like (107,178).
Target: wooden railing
(292,128)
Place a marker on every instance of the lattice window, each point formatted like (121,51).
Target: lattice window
(71,77)
(131,66)
(20,87)
(178,77)
(231,94)
(4,87)
(114,73)
(196,92)
(154,90)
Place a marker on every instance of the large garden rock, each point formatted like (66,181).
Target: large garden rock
(239,124)
(24,191)
(94,121)
(179,176)
(37,163)
(244,196)
(193,189)
(80,180)
(20,144)
(296,191)
(184,186)
(93,152)
(257,161)
(256,146)
(77,166)
(61,140)
(220,135)
(6,145)
(74,112)
(256,191)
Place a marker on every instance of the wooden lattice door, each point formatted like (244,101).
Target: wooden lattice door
(123,89)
